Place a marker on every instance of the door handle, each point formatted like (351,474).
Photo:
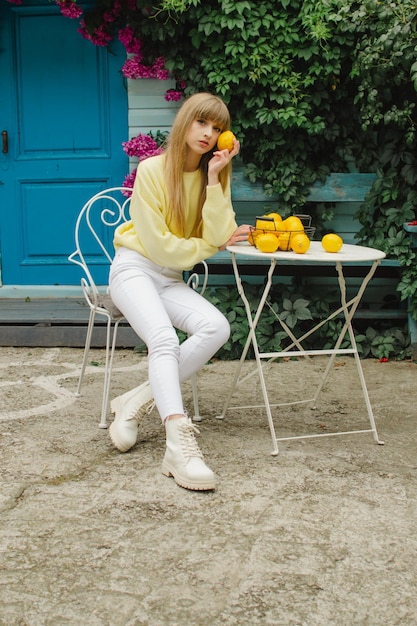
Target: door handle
(5,141)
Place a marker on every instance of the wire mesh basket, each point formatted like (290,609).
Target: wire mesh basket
(284,236)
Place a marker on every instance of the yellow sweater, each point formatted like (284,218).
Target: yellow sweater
(147,231)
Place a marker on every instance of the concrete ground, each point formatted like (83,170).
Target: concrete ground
(322,534)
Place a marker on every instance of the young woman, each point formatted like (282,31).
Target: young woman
(181,213)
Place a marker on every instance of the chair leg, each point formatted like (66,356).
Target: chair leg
(108,370)
(86,350)
(197,417)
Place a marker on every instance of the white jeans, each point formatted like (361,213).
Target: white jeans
(154,300)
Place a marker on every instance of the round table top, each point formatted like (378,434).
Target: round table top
(350,253)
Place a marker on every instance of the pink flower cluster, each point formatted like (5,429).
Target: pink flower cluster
(142,146)
(100,36)
(128,182)
(172,95)
(130,42)
(15,1)
(134,68)
(113,13)
(69,8)
(103,34)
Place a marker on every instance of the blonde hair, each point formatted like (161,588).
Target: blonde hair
(199,106)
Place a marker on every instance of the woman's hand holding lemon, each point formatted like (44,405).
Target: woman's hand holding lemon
(220,159)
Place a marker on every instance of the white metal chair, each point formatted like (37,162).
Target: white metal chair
(94,251)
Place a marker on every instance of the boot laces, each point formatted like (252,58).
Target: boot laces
(188,441)
(141,412)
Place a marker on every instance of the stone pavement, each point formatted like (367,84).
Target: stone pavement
(322,534)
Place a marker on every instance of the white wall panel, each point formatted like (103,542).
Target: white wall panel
(148,109)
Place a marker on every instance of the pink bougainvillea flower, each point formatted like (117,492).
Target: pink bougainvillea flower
(130,42)
(108,16)
(134,68)
(140,146)
(69,8)
(100,37)
(159,68)
(162,74)
(172,95)
(113,13)
(128,182)
(131,67)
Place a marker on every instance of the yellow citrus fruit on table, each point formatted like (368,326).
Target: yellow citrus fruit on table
(284,241)
(267,242)
(225,140)
(253,235)
(293,223)
(300,243)
(277,219)
(332,242)
(265,223)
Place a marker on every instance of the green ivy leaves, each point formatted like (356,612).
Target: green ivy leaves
(300,315)
(295,311)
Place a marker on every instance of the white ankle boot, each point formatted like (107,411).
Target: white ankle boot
(130,409)
(183,459)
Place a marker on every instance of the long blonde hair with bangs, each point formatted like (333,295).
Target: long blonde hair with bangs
(199,106)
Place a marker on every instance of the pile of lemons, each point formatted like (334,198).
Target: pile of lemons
(272,233)
(285,234)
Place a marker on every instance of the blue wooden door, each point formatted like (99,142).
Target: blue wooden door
(63,117)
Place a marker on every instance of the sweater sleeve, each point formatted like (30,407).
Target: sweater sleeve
(218,216)
(149,234)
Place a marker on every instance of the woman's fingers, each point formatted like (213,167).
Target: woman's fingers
(241,234)
(222,157)
(236,148)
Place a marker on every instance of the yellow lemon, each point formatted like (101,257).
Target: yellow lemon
(332,242)
(284,241)
(265,223)
(293,224)
(277,219)
(254,233)
(300,243)
(267,242)
(225,140)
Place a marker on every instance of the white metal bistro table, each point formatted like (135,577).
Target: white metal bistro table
(349,255)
